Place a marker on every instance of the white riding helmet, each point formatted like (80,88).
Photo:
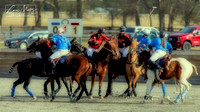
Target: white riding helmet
(60,30)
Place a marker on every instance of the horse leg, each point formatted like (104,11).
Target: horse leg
(77,79)
(64,79)
(26,83)
(135,84)
(109,88)
(17,82)
(128,90)
(83,86)
(92,85)
(45,87)
(71,83)
(150,80)
(187,87)
(59,85)
(52,89)
(101,78)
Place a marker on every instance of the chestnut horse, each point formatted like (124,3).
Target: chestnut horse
(34,66)
(132,70)
(180,68)
(101,59)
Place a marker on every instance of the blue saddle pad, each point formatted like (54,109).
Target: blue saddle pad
(63,59)
(161,62)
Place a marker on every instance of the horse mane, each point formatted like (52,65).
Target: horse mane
(43,41)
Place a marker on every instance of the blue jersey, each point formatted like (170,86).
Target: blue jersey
(157,43)
(139,38)
(61,41)
(146,41)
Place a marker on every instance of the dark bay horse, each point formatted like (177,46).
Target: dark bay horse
(34,66)
(178,68)
(101,59)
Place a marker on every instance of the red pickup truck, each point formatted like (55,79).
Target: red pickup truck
(186,38)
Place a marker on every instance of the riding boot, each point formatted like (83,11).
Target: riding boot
(53,67)
(156,64)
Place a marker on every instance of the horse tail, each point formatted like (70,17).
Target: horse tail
(13,66)
(195,69)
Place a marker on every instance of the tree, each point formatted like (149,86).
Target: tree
(188,10)
(39,4)
(161,15)
(171,13)
(54,6)
(79,8)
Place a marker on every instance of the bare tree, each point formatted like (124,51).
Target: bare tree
(54,6)
(161,15)
(79,8)
(188,10)
(136,10)
(171,12)
(39,4)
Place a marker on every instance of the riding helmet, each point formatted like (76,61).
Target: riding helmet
(122,29)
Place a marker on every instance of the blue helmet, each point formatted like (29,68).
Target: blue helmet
(122,28)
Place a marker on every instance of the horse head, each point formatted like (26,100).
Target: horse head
(31,48)
(112,46)
(132,55)
(76,47)
(144,56)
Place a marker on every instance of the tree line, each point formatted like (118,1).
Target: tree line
(188,10)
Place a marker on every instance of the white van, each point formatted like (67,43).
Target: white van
(133,31)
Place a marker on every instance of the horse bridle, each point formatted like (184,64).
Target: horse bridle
(131,51)
(111,50)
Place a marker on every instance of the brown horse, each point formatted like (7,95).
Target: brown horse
(132,70)
(180,68)
(101,59)
(34,66)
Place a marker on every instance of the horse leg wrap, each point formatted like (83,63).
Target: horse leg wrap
(178,98)
(151,89)
(13,91)
(184,93)
(30,93)
(163,89)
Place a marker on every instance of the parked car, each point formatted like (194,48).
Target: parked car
(186,38)
(25,39)
(133,31)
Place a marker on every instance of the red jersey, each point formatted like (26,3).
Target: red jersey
(123,40)
(95,41)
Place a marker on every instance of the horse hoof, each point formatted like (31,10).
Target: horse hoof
(51,100)
(34,98)
(101,97)
(90,96)
(142,102)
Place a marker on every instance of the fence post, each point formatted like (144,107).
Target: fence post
(11,28)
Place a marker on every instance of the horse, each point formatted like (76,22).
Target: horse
(79,68)
(115,69)
(132,70)
(34,66)
(178,68)
(101,60)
